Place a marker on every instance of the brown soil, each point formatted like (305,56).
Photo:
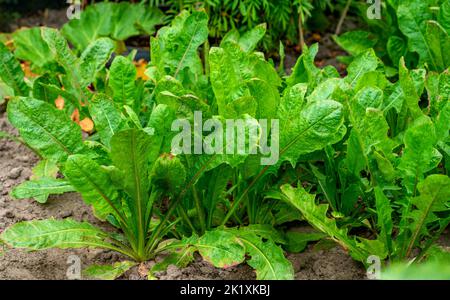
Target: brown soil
(16,162)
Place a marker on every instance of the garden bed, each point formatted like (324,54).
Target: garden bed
(16,162)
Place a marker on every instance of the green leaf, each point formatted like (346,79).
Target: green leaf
(45,234)
(59,49)
(11,73)
(316,215)
(30,46)
(412,98)
(356,42)
(129,150)
(94,58)
(247,41)
(318,124)
(444,15)
(45,169)
(41,188)
(45,129)
(118,21)
(426,271)
(107,119)
(95,21)
(365,62)
(439,42)
(265,231)
(412,17)
(297,241)
(130,153)
(396,48)
(181,258)
(122,76)
(169,173)
(419,142)
(434,198)
(108,272)
(125,17)
(150,18)
(369,130)
(189,31)
(221,248)
(94,185)
(305,71)
(384,218)
(266,258)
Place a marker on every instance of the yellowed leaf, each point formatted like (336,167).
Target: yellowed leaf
(141,66)
(87,125)
(75,116)
(59,102)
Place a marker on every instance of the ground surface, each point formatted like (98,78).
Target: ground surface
(16,162)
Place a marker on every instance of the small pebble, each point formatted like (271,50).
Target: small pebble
(174,271)
(9,214)
(65,214)
(23,158)
(15,173)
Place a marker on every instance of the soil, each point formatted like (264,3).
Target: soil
(16,162)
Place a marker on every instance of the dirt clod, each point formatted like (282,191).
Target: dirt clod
(15,173)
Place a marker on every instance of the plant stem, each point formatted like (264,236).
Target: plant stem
(300,30)
(343,16)
(186,219)
(206,57)
(199,208)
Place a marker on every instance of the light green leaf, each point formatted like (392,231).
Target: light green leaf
(444,15)
(45,234)
(107,119)
(316,215)
(41,188)
(434,198)
(384,218)
(46,129)
(439,43)
(108,272)
(221,248)
(169,173)
(122,76)
(189,31)
(266,258)
(11,73)
(30,46)
(426,271)
(95,21)
(356,42)
(318,124)
(412,17)
(94,58)
(419,142)
(297,241)
(365,62)
(247,41)
(94,185)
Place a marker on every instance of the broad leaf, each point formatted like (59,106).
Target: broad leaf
(45,129)
(45,234)
(94,185)
(108,272)
(41,188)
(11,73)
